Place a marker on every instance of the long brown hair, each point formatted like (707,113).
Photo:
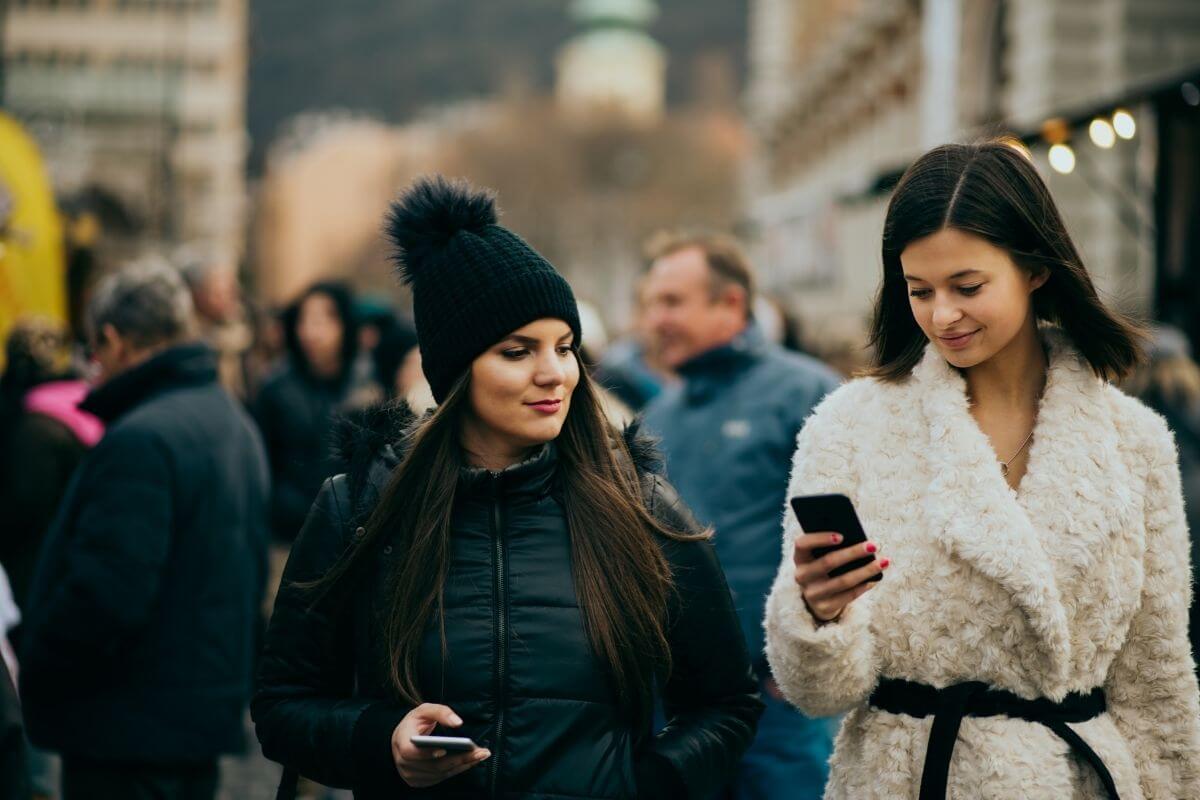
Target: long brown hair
(993,191)
(622,579)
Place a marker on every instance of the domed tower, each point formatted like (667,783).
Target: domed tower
(613,65)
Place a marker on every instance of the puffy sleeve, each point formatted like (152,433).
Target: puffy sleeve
(827,669)
(1151,686)
(306,713)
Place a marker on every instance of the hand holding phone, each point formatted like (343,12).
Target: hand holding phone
(835,564)
(425,760)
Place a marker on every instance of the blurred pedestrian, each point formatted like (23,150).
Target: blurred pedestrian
(139,637)
(728,432)
(296,406)
(220,315)
(1169,382)
(509,570)
(14,770)
(1036,569)
(628,367)
(43,437)
(390,357)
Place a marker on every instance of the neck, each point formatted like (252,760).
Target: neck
(1012,378)
(485,449)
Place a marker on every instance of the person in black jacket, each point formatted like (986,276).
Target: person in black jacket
(296,406)
(505,568)
(138,650)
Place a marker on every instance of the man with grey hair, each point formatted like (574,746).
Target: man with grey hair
(140,634)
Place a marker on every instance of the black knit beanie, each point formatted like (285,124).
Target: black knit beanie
(473,281)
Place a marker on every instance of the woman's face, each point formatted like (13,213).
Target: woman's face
(967,295)
(319,330)
(521,389)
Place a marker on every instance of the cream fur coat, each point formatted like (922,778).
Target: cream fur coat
(1079,580)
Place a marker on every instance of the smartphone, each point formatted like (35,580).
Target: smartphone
(834,513)
(448,743)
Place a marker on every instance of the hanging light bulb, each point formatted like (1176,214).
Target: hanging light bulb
(1062,158)
(1102,133)
(1123,123)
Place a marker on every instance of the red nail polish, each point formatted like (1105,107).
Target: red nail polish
(837,537)
(883,563)
(871,548)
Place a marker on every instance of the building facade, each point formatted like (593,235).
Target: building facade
(142,100)
(843,94)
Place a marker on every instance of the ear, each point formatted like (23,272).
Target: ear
(1038,279)
(111,337)
(734,297)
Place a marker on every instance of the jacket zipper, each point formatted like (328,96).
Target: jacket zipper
(500,623)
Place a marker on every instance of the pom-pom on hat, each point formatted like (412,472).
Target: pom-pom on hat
(473,280)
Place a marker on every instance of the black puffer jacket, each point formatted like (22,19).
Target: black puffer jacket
(519,671)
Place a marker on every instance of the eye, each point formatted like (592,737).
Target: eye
(515,352)
(920,294)
(970,290)
(565,350)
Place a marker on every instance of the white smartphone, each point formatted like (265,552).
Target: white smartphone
(449,743)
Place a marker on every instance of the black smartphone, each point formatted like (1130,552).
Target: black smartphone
(834,513)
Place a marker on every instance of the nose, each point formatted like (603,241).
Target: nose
(945,313)
(550,370)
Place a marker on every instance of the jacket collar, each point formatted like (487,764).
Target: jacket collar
(713,368)
(533,477)
(188,364)
(1074,493)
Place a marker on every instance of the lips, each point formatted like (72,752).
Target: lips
(959,340)
(546,406)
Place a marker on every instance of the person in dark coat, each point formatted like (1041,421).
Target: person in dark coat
(138,649)
(505,568)
(296,406)
(728,432)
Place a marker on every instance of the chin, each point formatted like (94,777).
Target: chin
(538,434)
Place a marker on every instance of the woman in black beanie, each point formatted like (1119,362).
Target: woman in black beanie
(508,568)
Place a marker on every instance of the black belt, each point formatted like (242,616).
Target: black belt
(975,699)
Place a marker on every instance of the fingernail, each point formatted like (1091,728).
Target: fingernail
(439,753)
(870,547)
(836,538)
(455,719)
(883,563)
(485,754)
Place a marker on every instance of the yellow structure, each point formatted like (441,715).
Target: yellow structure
(32,277)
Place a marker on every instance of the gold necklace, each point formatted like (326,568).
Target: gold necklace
(1021,449)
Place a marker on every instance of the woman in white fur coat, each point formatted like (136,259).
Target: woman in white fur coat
(1029,636)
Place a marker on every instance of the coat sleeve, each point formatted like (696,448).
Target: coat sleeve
(828,669)
(305,711)
(711,696)
(1151,686)
(101,575)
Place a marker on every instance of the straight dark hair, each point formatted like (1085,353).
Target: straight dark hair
(992,190)
(622,579)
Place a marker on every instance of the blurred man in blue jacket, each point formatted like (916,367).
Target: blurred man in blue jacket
(729,432)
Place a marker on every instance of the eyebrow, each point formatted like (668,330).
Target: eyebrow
(529,340)
(960,274)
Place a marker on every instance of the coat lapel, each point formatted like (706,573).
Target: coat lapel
(974,514)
